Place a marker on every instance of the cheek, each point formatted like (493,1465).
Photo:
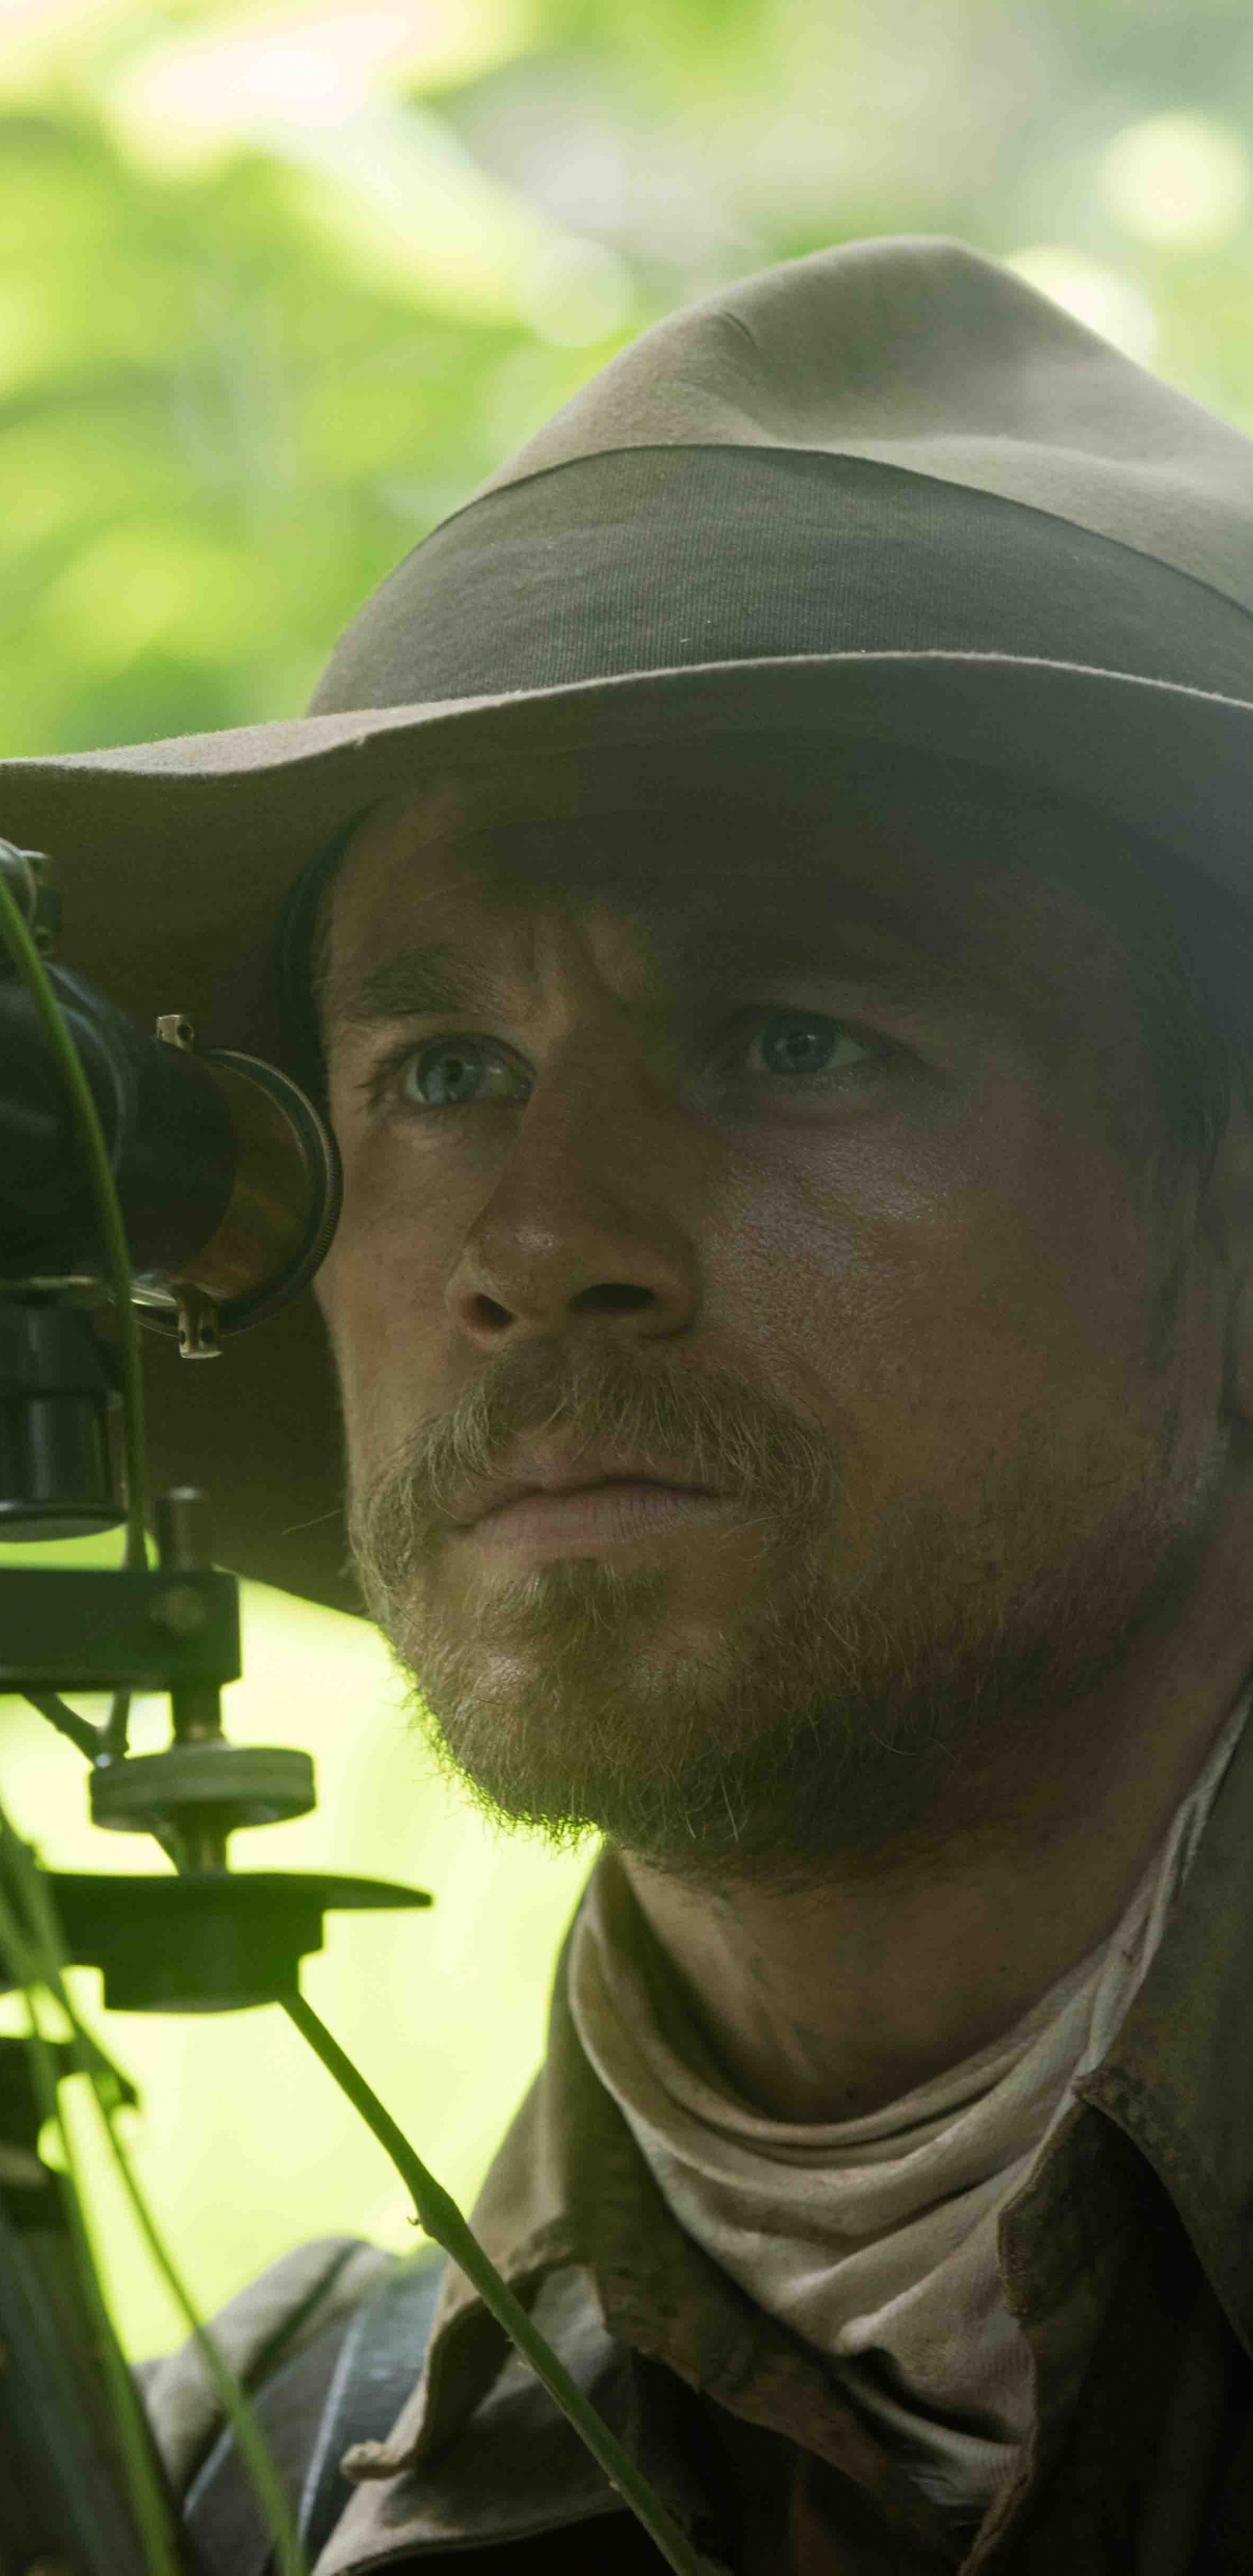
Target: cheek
(935,1319)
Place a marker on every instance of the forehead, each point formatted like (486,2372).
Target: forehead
(703,867)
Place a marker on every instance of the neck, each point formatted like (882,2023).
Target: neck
(827,2003)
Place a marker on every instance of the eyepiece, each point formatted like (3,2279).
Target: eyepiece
(227,1178)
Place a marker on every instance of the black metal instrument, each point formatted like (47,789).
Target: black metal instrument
(227,1181)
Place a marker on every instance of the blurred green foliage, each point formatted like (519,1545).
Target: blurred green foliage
(278,285)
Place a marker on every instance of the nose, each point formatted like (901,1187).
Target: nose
(578,1230)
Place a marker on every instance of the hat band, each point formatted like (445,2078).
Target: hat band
(652,558)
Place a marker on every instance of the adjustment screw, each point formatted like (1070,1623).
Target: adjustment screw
(175,1029)
(181,1520)
(182,1611)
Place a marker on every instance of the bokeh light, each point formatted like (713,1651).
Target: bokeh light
(1180,182)
(1093,293)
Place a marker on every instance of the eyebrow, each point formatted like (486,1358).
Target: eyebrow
(408,986)
(439,978)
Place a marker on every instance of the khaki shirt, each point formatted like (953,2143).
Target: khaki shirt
(1127,2258)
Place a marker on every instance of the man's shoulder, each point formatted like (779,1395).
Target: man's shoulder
(292,2307)
(330,2342)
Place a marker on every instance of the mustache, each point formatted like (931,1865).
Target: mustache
(708,1425)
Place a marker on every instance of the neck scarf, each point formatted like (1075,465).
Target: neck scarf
(876,2238)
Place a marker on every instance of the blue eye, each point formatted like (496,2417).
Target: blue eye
(803,1042)
(455,1072)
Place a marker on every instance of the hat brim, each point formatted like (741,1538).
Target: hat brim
(175,859)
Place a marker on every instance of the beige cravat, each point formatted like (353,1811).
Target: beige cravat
(876,2238)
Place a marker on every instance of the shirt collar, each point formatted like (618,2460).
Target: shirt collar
(1178,2079)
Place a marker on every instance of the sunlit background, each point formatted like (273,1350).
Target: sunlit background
(277,287)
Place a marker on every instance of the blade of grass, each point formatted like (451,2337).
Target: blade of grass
(31,1970)
(443,2221)
(290,2558)
(289,2553)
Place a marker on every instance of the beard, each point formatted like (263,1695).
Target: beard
(866,1684)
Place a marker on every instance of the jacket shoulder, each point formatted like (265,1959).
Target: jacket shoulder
(268,2324)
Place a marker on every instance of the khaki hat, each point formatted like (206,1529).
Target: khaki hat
(887,492)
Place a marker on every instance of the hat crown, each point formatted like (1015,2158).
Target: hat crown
(916,351)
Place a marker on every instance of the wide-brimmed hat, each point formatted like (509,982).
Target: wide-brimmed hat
(888,492)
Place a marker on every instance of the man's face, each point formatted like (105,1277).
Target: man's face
(779,1371)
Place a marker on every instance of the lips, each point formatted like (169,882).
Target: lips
(591,1520)
(548,1472)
